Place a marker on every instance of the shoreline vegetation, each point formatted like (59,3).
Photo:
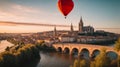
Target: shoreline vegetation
(21,54)
(18,55)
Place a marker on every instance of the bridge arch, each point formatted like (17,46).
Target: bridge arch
(113,55)
(59,49)
(66,50)
(85,53)
(79,47)
(95,53)
(74,51)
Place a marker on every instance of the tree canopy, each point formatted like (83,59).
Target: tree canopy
(117,45)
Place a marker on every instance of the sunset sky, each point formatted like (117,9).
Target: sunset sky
(97,13)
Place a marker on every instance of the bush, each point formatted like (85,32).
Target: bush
(7,59)
(16,57)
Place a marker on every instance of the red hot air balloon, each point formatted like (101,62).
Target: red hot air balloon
(65,6)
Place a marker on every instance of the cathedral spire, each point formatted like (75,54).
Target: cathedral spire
(81,21)
(81,25)
(55,31)
(71,27)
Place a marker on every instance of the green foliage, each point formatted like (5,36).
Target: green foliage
(83,63)
(8,59)
(7,48)
(76,63)
(43,47)
(102,60)
(92,64)
(119,61)
(117,48)
(80,63)
(16,57)
(117,45)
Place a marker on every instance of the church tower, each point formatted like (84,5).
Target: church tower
(55,31)
(71,28)
(81,25)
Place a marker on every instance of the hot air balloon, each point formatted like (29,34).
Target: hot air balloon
(65,6)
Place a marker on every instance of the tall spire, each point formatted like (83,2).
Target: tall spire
(55,31)
(81,25)
(81,21)
(71,27)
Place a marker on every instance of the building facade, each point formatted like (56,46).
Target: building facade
(85,29)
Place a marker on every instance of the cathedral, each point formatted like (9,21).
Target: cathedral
(82,28)
(84,34)
(72,35)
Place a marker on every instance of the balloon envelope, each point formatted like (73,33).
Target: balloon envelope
(65,6)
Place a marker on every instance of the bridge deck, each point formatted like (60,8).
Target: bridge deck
(84,45)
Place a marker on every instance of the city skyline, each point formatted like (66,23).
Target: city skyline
(97,13)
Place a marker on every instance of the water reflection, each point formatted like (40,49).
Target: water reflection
(55,60)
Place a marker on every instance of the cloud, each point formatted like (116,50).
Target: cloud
(9,16)
(17,12)
(22,13)
(22,8)
(6,14)
(7,23)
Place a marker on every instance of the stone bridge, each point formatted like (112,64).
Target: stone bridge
(73,47)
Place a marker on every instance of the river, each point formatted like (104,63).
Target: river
(55,60)
(52,60)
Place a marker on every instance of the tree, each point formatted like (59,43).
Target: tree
(117,48)
(118,61)
(117,45)
(83,63)
(76,63)
(80,63)
(102,60)
(8,59)
(92,64)
(7,48)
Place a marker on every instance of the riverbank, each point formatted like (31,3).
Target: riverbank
(17,56)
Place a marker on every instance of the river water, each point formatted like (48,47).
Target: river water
(52,60)
(55,60)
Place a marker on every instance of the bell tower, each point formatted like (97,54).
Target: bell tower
(55,31)
(81,25)
(71,28)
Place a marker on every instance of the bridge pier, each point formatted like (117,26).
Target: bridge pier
(70,53)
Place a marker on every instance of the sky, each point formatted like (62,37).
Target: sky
(101,14)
